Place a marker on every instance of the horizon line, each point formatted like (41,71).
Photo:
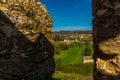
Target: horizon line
(71,30)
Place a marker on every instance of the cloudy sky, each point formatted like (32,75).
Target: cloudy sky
(70,14)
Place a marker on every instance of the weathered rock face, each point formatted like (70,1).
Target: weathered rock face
(106,34)
(26,51)
(29,16)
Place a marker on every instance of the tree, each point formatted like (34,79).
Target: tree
(63,46)
(58,38)
(88,51)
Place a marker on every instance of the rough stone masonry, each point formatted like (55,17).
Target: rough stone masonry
(26,52)
(106,36)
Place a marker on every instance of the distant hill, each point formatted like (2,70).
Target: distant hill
(64,32)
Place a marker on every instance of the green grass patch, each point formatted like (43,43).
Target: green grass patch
(69,64)
(72,56)
(67,76)
(84,69)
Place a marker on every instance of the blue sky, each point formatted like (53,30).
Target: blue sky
(70,14)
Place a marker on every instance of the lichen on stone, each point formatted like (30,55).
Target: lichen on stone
(26,51)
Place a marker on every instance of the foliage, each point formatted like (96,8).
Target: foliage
(58,38)
(58,64)
(85,69)
(32,17)
(73,55)
(60,47)
(57,50)
(73,44)
(67,76)
(28,12)
(70,61)
(30,31)
(63,46)
(88,51)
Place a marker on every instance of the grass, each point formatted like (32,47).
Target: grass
(67,76)
(72,56)
(74,72)
(69,64)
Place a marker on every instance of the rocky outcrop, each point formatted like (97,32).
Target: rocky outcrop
(29,16)
(26,52)
(106,35)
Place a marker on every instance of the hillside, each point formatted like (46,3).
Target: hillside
(72,32)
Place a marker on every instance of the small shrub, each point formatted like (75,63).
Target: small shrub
(85,69)
(57,50)
(63,46)
(88,51)
(30,31)
(58,38)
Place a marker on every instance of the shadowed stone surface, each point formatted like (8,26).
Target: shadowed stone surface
(106,35)
(26,52)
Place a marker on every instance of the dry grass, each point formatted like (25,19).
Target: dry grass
(68,76)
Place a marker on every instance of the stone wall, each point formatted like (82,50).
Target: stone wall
(106,35)
(26,52)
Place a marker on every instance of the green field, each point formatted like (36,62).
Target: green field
(71,56)
(71,76)
(74,72)
(69,63)
(67,76)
